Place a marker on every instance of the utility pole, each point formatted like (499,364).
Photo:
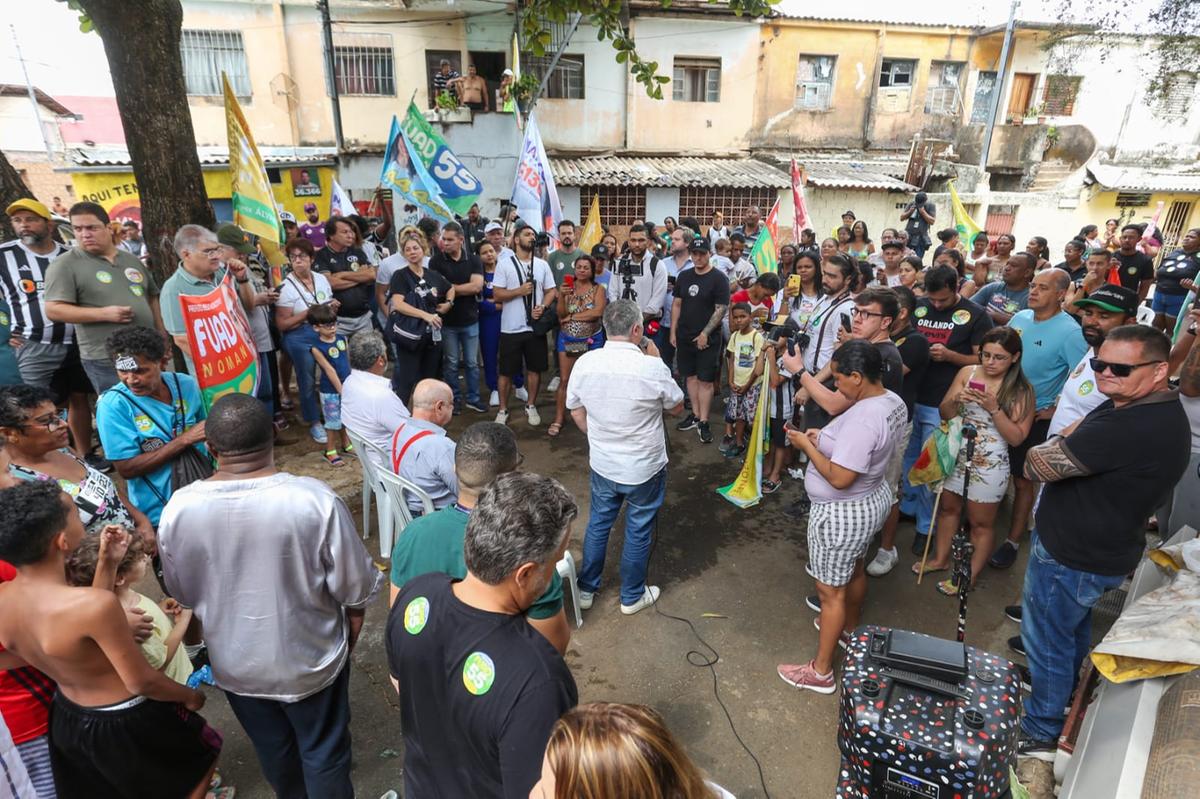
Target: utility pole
(331,75)
(999,91)
(37,108)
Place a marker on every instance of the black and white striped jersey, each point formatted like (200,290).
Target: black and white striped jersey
(23,284)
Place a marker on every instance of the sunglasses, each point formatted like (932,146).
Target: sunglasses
(1117,369)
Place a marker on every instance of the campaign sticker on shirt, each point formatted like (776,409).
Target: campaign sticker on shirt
(921,312)
(1079,369)
(333,352)
(1086,388)
(962,316)
(134,275)
(479,672)
(416,614)
(143,423)
(3,319)
(103,276)
(341,344)
(136,291)
(1132,270)
(321,296)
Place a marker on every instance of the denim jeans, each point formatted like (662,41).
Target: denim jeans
(644,501)
(306,385)
(1056,628)
(461,342)
(101,373)
(266,388)
(918,500)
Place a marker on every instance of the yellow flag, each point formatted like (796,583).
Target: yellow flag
(592,232)
(254,208)
(746,490)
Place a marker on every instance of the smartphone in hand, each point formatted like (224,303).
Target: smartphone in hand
(977,385)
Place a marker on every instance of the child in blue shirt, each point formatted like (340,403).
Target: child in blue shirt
(329,351)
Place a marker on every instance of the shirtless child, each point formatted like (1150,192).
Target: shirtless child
(111,704)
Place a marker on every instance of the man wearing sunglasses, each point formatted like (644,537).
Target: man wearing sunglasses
(1104,476)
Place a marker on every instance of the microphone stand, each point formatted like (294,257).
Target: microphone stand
(962,547)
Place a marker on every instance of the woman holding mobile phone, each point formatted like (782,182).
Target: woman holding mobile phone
(998,400)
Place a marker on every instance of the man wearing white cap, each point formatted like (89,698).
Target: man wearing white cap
(494,233)
(290,230)
(506,91)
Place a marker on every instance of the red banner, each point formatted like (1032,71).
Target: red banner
(220,343)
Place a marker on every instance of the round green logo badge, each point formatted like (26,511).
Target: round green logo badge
(920,312)
(103,276)
(1086,387)
(333,352)
(136,291)
(3,319)
(478,673)
(961,316)
(341,344)
(416,614)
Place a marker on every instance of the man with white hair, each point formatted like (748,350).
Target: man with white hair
(199,272)
(369,406)
(421,451)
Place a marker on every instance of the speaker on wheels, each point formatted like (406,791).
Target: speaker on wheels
(925,717)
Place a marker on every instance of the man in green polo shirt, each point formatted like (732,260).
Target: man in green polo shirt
(100,289)
(434,543)
(200,271)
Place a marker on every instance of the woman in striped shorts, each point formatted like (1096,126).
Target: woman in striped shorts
(850,500)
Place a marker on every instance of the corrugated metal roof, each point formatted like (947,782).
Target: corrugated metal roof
(1185,180)
(852,175)
(650,171)
(209,156)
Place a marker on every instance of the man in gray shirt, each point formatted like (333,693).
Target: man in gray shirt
(274,570)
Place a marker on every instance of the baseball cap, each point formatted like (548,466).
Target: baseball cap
(233,236)
(601,251)
(310,206)
(699,245)
(1113,298)
(287,216)
(490,226)
(506,72)
(28,204)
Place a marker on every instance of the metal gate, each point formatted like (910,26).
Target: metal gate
(1173,226)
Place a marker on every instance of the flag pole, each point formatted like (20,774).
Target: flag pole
(932,529)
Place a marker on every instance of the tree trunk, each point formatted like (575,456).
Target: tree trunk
(12,188)
(147,77)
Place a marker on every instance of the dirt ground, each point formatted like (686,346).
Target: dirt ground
(744,567)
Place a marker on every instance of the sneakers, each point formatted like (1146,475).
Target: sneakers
(1026,678)
(807,677)
(1017,645)
(884,561)
(1004,557)
(843,639)
(918,547)
(1013,613)
(502,417)
(553,385)
(494,400)
(534,417)
(735,451)
(522,394)
(318,434)
(478,406)
(1032,747)
(648,598)
(458,406)
(814,603)
(689,422)
(586,598)
(726,443)
(705,433)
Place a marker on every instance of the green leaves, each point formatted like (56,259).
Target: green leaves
(85,22)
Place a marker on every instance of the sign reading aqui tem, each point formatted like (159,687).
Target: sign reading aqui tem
(220,343)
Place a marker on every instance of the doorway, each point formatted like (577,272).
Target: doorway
(1021,95)
(490,66)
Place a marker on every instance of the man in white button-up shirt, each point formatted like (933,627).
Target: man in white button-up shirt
(369,406)
(617,395)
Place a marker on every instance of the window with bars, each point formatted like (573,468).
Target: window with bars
(619,205)
(814,82)
(1058,98)
(206,54)
(896,72)
(943,96)
(697,80)
(701,201)
(364,64)
(566,81)
(1179,92)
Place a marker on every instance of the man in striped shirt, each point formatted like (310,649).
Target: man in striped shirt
(47,354)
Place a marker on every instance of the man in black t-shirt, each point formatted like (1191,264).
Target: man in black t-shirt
(1103,478)
(701,299)
(1137,268)
(917,217)
(460,327)
(1073,263)
(480,689)
(1170,291)
(350,274)
(954,327)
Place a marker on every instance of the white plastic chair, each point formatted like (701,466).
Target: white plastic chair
(566,570)
(398,489)
(370,456)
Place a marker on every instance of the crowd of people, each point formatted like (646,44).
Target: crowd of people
(859,349)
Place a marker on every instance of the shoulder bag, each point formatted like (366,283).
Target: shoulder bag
(190,464)
(409,333)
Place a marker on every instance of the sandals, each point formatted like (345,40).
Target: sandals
(916,569)
(334,458)
(950,588)
(770,486)
(286,404)
(350,450)
(554,429)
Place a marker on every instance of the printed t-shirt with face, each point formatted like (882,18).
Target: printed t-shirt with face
(914,353)
(999,297)
(1175,267)
(129,426)
(465,310)
(1080,396)
(334,352)
(295,295)
(434,543)
(356,300)
(958,328)
(698,295)
(510,274)
(89,281)
(1135,268)
(744,347)
(860,439)
(562,263)
(479,694)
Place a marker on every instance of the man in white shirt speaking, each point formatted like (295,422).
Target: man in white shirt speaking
(617,396)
